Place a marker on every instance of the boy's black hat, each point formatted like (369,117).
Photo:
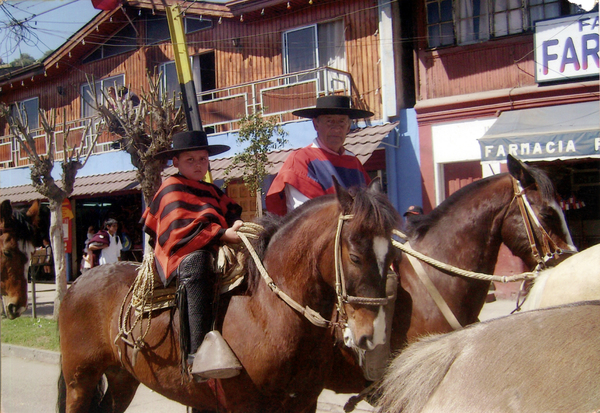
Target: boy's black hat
(192,141)
(333,105)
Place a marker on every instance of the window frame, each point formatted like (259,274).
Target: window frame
(100,84)
(21,108)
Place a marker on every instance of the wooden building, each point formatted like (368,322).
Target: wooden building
(275,56)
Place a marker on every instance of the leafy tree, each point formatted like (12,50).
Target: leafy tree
(252,162)
(23,60)
(73,159)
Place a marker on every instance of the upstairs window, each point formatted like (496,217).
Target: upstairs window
(451,22)
(87,99)
(311,47)
(29,111)
(123,41)
(157,27)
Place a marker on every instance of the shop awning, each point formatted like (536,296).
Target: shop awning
(548,133)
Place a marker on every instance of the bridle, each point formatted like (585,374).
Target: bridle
(548,246)
(340,286)
(340,283)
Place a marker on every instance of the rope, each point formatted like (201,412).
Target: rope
(251,230)
(142,293)
(449,268)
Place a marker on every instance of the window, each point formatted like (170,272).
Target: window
(29,112)
(321,45)
(440,28)
(203,72)
(452,22)
(123,41)
(157,27)
(87,99)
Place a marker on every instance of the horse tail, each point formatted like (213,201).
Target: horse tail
(415,374)
(61,403)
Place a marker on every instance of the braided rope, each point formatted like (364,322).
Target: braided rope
(449,268)
(142,293)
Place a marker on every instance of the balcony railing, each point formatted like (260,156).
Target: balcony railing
(220,110)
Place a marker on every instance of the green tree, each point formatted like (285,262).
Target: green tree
(251,164)
(23,60)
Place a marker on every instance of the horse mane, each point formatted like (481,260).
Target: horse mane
(420,224)
(372,211)
(21,225)
(271,224)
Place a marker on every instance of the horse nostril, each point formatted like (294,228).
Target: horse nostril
(12,311)
(365,342)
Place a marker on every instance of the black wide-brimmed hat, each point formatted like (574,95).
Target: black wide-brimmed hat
(333,105)
(192,141)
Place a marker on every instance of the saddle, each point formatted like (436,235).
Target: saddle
(154,296)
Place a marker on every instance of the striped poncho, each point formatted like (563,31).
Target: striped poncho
(185,216)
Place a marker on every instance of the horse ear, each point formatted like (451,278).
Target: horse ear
(376,185)
(343,196)
(5,210)
(34,211)
(519,171)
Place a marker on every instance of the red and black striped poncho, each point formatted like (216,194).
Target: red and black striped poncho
(185,216)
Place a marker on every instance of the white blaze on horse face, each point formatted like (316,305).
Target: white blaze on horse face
(379,336)
(380,248)
(565,228)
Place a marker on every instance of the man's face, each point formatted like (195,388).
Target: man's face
(192,164)
(332,130)
(112,229)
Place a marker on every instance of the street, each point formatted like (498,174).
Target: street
(29,376)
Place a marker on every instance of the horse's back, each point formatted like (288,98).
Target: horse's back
(545,360)
(575,279)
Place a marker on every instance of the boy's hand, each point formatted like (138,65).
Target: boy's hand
(231,235)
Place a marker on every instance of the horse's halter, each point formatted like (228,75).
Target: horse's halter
(548,246)
(340,283)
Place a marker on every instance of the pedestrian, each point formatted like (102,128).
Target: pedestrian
(48,259)
(187,221)
(307,173)
(87,261)
(107,243)
(412,212)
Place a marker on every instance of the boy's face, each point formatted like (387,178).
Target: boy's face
(192,164)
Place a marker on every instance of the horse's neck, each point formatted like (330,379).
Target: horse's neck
(469,234)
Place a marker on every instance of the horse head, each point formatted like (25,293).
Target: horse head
(534,227)
(16,241)
(365,254)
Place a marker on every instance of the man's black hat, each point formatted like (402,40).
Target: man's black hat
(192,141)
(333,105)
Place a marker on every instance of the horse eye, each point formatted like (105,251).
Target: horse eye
(355,259)
(7,253)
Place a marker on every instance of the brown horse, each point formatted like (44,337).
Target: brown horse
(285,358)
(466,231)
(539,361)
(17,231)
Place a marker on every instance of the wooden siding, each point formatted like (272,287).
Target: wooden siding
(492,65)
(256,55)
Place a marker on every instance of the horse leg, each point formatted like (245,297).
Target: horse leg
(120,390)
(82,391)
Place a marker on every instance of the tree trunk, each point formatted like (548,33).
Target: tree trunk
(58,253)
(259,209)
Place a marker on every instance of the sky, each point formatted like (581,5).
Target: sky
(43,25)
